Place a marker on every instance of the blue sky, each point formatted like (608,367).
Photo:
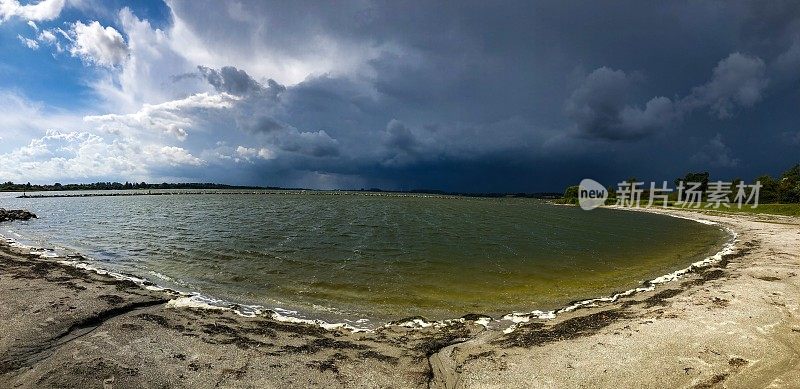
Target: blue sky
(527,96)
(47,77)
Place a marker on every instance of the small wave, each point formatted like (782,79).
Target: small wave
(508,322)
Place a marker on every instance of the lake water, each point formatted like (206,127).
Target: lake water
(353,256)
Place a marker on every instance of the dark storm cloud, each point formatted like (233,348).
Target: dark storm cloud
(599,105)
(235,81)
(257,110)
(769,27)
(518,88)
(738,80)
(315,144)
(230,80)
(716,153)
(266,124)
(399,137)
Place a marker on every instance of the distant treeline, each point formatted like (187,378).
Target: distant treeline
(12,187)
(783,189)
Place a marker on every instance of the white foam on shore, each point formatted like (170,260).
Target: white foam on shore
(419,322)
(198,301)
(191,302)
(118,276)
(321,323)
(484,321)
(524,317)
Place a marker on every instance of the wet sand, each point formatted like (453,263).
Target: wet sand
(735,324)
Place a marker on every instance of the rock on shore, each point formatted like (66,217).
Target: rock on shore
(12,214)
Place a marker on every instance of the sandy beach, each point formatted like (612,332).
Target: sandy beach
(733,324)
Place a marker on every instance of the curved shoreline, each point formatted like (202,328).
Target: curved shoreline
(506,322)
(734,323)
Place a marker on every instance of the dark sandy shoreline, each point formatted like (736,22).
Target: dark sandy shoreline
(66,327)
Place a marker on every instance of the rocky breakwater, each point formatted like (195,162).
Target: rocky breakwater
(12,214)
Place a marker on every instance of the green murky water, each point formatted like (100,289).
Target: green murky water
(355,256)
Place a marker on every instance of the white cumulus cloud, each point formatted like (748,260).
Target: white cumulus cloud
(80,156)
(248,153)
(32,44)
(98,45)
(172,156)
(172,117)
(42,10)
(47,36)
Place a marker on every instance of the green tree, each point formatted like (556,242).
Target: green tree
(769,190)
(789,185)
(571,192)
(701,177)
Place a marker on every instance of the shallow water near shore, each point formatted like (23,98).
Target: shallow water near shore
(345,257)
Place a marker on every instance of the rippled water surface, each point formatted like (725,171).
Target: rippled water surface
(378,257)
